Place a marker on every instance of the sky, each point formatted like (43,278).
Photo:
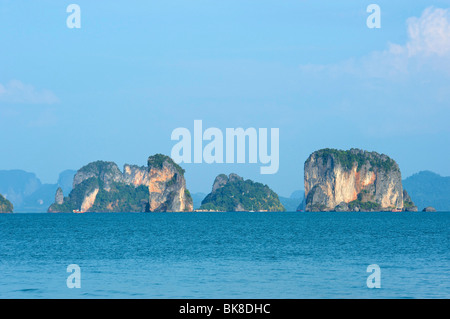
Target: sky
(117,87)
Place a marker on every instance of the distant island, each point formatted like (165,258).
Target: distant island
(232,194)
(428,188)
(28,194)
(354,180)
(101,187)
(5,205)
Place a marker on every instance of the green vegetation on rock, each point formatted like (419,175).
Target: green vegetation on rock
(121,198)
(101,187)
(364,206)
(97,167)
(157,161)
(77,195)
(364,202)
(407,202)
(240,195)
(188,195)
(348,159)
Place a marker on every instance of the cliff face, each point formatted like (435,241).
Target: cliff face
(233,193)
(106,172)
(5,205)
(102,187)
(59,197)
(165,182)
(352,180)
(408,204)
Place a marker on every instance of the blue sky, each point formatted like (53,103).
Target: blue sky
(116,88)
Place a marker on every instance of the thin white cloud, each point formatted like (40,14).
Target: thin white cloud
(427,48)
(17,92)
(393,91)
(429,34)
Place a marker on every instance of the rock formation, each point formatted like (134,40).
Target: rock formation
(342,207)
(101,187)
(220,181)
(408,205)
(429,209)
(233,194)
(59,196)
(167,186)
(106,172)
(5,205)
(353,180)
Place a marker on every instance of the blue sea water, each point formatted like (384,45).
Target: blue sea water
(225,255)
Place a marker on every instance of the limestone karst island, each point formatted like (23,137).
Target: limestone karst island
(102,187)
(233,194)
(334,180)
(354,180)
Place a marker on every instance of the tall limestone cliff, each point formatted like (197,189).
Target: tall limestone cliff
(101,187)
(353,180)
(59,197)
(5,205)
(165,182)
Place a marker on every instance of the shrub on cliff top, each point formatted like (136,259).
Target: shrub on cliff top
(97,167)
(348,159)
(157,161)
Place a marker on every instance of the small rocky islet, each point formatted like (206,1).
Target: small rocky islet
(234,194)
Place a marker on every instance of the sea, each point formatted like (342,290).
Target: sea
(238,255)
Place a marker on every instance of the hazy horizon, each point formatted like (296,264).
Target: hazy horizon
(116,88)
(200,191)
